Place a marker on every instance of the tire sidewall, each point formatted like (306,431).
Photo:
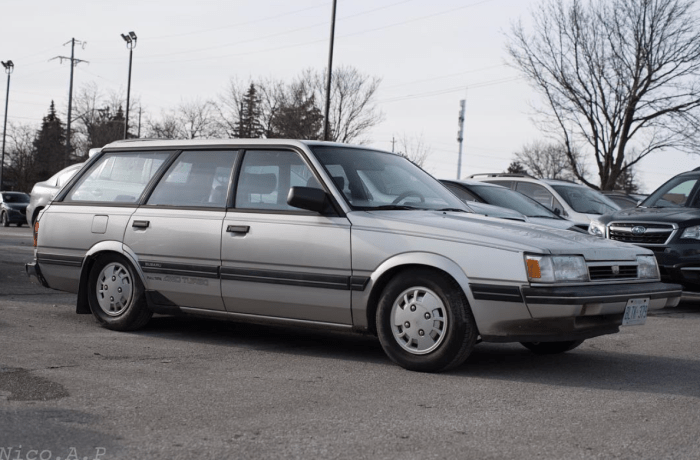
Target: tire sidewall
(132,317)
(459,321)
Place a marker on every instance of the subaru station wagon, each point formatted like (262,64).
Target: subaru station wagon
(330,236)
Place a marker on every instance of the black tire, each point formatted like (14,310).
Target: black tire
(19,224)
(5,220)
(551,348)
(424,321)
(116,294)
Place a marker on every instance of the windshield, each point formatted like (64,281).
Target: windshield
(673,194)
(371,180)
(15,197)
(501,196)
(586,200)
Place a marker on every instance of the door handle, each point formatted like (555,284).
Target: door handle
(141,223)
(238,229)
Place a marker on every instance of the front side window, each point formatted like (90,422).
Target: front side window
(266,177)
(195,179)
(372,180)
(586,200)
(118,177)
(539,194)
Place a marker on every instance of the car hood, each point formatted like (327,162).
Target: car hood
(685,216)
(488,231)
(562,224)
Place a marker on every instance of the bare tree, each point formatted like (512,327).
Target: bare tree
(189,120)
(550,161)
(414,148)
(21,170)
(619,76)
(228,104)
(164,128)
(353,110)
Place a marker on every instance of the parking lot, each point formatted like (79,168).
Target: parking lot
(192,388)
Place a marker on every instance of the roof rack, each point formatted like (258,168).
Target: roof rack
(499,175)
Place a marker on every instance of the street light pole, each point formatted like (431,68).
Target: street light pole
(9,67)
(130,40)
(328,77)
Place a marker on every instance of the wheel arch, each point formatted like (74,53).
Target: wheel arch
(103,247)
(397,264)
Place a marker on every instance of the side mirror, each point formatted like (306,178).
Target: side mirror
(309,198)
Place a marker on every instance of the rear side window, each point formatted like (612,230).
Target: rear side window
(117,177)
(196,179)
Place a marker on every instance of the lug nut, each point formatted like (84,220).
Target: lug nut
(406,324)
(413,308)
(119,290)
(427,316)
(111,299)
(421,333)
(114,278)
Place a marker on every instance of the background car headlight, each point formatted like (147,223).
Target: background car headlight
(551,269)
(596,228)
(647,268)
(692,232)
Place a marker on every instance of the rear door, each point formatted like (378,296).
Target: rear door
(177,233)
(278,260)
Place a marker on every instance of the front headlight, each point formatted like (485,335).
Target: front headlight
(647,268)
(596,228)
(552,269)
(692,233)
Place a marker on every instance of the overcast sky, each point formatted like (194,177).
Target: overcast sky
(429,54)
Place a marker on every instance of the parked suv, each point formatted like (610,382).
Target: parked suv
(572,201)
(668,223)
(330,236)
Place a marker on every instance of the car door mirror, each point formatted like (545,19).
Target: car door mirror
(309,198)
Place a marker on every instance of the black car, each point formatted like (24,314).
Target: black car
(13,208)
(668,223)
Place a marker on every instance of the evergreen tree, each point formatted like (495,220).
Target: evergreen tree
(299,118)
(50,146)
(248,125)
(516,167)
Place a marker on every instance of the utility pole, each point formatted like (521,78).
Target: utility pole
(9,67)
(73,63)
(460,137)
(328,77)
(393,142)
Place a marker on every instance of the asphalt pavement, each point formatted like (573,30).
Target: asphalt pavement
(187,388)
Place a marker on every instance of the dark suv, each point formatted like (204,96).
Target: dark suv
(668,223)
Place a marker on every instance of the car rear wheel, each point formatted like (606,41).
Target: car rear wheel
(116,294)
(424,322)
(551,348)
(5,220)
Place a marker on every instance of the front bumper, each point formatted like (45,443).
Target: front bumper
(578,312)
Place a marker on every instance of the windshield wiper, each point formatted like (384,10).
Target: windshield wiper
(452,210)
(388,207)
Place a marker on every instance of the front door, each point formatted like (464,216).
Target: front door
(281,261)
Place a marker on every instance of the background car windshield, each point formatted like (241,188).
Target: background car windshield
(585,200)
(370,179)
(9,197)
(501,196)
(673,194)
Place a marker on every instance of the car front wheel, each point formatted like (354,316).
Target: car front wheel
(5,220)
(424,322)
(116,294)
(551,348)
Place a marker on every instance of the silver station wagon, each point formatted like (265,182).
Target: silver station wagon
(333,236)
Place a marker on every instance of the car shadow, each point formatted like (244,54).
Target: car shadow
(587,367)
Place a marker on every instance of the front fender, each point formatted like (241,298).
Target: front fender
(364,303)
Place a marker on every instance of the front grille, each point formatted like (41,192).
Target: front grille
(612,272)
(651,234)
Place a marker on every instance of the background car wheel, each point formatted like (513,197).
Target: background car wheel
(116,294)
(551,348)
(424,322)
(5,221)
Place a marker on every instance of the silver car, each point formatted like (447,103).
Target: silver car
(332,236)
(45,191)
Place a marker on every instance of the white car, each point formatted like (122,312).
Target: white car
(576,202)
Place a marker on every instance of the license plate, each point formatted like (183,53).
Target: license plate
(635,312)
